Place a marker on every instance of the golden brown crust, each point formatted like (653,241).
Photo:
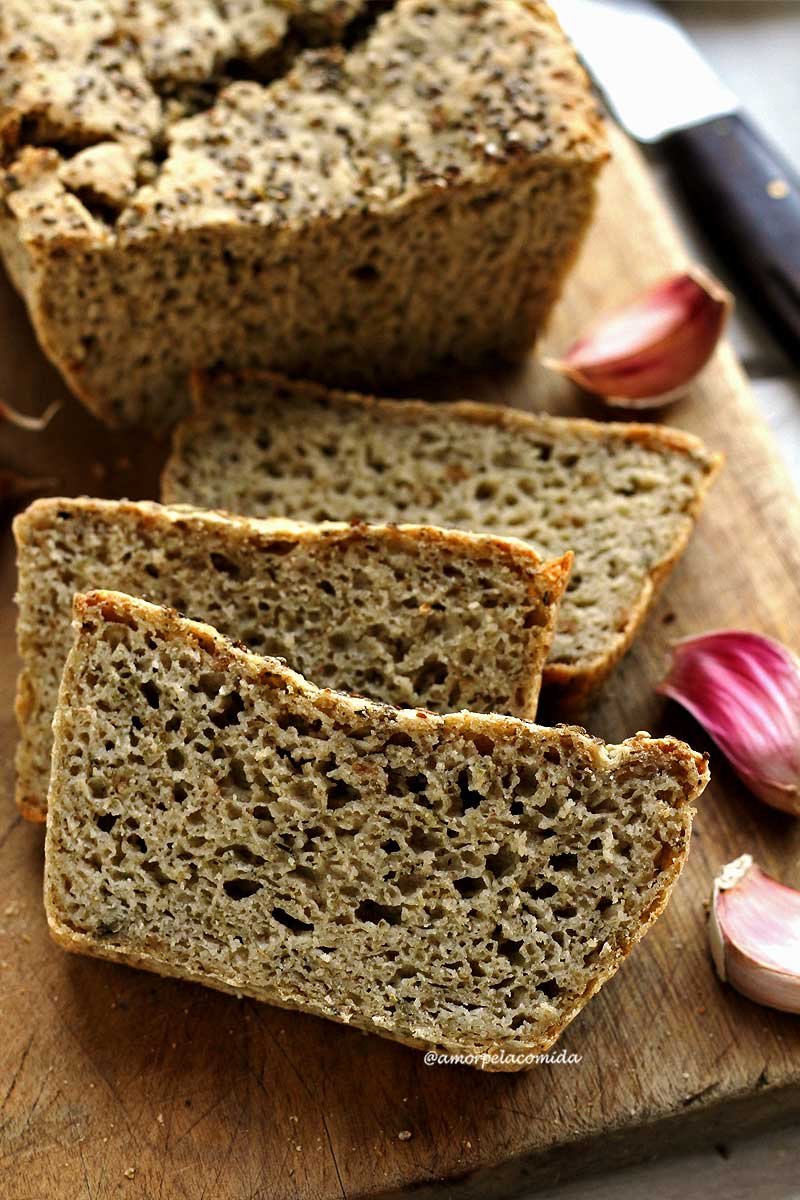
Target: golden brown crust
(113,606)
(205,387)
(266,530)
(575,685)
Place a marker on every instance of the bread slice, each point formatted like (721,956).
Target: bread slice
(623,497)
(408,614)
(461,882)
(186,185)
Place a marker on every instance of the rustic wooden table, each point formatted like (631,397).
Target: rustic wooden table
(755,46)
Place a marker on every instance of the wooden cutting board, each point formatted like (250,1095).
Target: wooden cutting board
(117,1083)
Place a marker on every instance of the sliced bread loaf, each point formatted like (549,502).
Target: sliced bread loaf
(623,497)
(415,616)
(460,882)
(186,183)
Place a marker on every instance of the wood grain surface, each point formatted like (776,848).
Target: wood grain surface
(117,1083)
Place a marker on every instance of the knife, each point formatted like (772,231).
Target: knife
(740,188)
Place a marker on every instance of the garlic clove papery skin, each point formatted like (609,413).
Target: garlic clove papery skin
(754,934)
(744,689)
(648,352)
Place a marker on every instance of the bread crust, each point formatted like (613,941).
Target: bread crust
(204,387)
(113,607)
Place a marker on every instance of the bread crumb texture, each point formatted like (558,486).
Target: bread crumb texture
(463,882)
(409,615)
(624,498)
(345,188)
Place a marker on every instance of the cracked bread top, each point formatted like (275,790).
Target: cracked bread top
(429,93)
(80,71)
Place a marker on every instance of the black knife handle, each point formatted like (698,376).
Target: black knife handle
(747,199)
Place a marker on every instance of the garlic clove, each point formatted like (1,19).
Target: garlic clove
(754,933)
(648,352)
(744,689)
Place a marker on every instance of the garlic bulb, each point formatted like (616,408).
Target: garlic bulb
(754,931)
(744,689)
(647,353)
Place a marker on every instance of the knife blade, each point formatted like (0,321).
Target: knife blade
(652,76)
(740,188)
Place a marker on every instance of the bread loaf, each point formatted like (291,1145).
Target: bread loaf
(463,882)
(186,185)
(416,616)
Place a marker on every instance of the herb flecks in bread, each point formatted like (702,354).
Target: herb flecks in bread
(462,882)
(414,616)
(624,497)
(406,199)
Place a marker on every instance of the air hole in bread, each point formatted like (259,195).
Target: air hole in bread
(373,913)
(303,726)
(285,918)
(467,796)
(365,273)
(155,870)
(469,886)
(243,854)
(340,794)
(511,949)
(236,777)
(227,711)
(501,863)
(240,889)
(151,693)
(431,674)
(541,891)
(225,565)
